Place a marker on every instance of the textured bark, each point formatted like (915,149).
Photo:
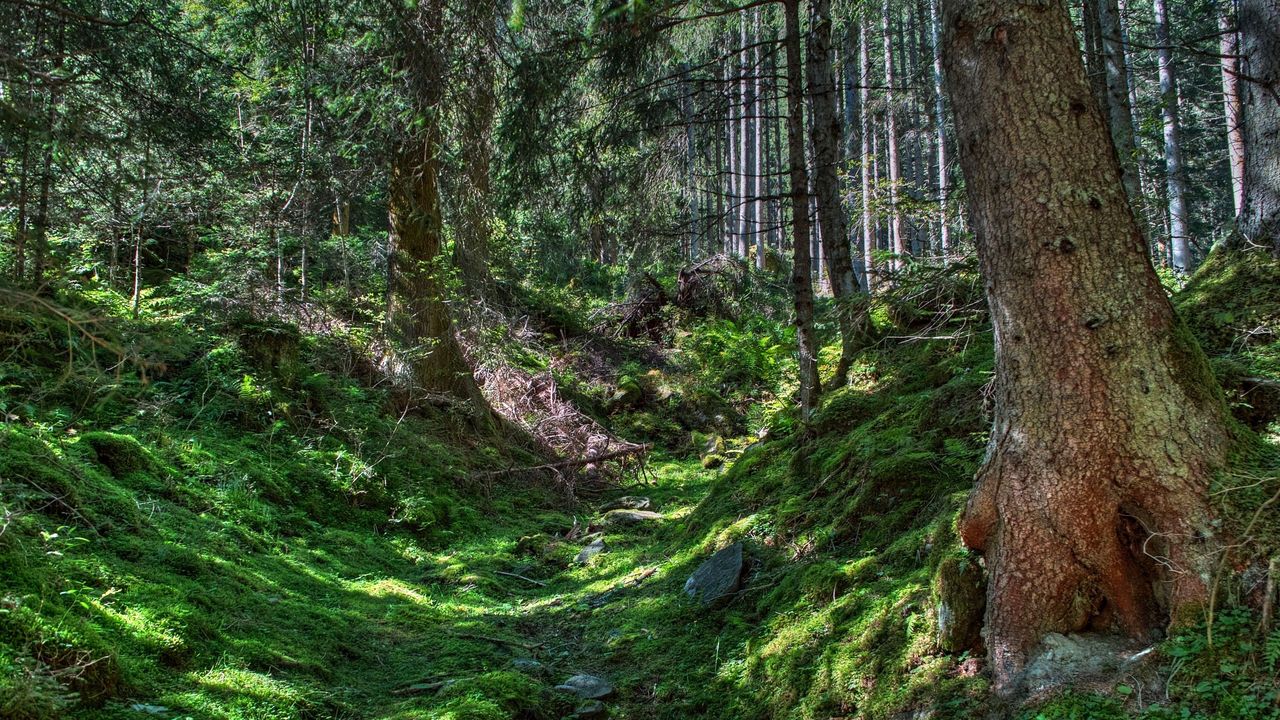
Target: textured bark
(1119,112)
(1259,221)
(1229,49)
(1175,174)
(801,278)
(1108,422)
(826,185)
(417,308)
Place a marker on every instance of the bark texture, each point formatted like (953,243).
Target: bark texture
(1091,509)
(417,309)
(826,185)
(1259,221)
(801,271)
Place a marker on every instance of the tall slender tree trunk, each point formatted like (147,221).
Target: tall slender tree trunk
(758,126)
(865,161)
(1175,174)
(940,133)
(897,226)
(478,111)
(1115,57)
(1259,221)
(1229,49)
(801,279)
(1108,424)
(826,185)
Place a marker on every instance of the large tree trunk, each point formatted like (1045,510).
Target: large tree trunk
(801,272)
(1259,221)
(826,185)
(418,311)
(1119,112)
(1108,421)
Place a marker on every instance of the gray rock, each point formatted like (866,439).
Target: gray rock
(718,577)
(596,547)
(592,711)
(149,709)
(587,687)
(628,502)
(629,517)
(1061,659)
(527,665)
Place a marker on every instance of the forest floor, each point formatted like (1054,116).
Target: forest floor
(251,534)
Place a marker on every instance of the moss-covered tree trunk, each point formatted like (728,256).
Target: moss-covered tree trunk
(1092,508)
(417,309)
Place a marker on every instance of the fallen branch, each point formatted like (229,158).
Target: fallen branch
(539,583)
(576,462)
(498,640)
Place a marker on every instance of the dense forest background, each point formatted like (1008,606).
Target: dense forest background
(403,359)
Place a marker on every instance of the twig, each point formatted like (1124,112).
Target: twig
(498,640)
(539,583)
(624,452)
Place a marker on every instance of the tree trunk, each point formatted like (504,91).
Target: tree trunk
(801,279)
(898,230)
(757,141)
(479,101)
(421,317)
(1229,49)
(826,185)
(1175,175)
(1108,422)
(1119,112)
(940,133)
(864,96)
(1259,221)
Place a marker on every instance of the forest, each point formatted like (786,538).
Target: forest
(639,359)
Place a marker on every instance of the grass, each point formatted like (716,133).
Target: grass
(254,534)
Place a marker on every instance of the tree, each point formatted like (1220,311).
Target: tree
(898,229)
(1259,221)
(1229,49)
(1175,173)
(801,270)
(1108,422)
(826,185)
(416,306)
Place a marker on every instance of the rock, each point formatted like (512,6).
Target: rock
(1064,659)
(629,517)
(587,687)
(149,709)
(962,599)
(591,711)
(628,502)
(718,577)
(711,462)
(528,665)
(596,547)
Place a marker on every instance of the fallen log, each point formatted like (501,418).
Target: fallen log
(574,462)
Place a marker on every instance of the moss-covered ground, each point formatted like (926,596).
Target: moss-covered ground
(243,526)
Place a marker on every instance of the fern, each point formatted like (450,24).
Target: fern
(1271,649)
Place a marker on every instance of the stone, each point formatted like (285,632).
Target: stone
(149,709)
(961,592)
(1064,659)
(628,502)
(527,665)
(596,547)
(591,711)
(711,462)
(717,578)
(629,517)
(587,687)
